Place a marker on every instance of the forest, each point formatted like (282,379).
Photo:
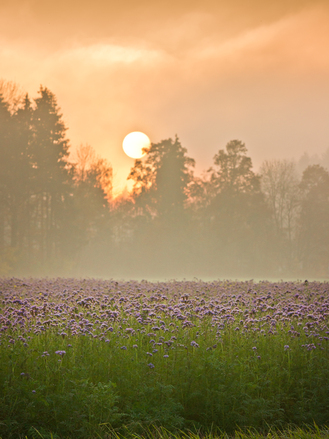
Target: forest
(58,216)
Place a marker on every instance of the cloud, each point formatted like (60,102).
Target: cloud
(209,71)
(296,42)
(102,54)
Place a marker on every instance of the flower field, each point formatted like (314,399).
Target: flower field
(86,358)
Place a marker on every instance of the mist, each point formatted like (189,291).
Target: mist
(58,215)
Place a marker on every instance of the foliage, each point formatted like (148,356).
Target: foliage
(43,220)
(234,219)
(165,174)
(233,170)
(314,218)
(279,183)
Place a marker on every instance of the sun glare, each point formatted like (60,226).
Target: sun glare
(134,143)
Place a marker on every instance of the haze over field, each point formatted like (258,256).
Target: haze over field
(209,72)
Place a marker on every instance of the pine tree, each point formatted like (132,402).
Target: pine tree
(50,176)
(5,160)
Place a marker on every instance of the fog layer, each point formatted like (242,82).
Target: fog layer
(58,215)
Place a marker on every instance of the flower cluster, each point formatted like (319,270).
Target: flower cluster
(151,317)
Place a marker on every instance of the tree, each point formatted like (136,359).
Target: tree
(93,189)
(20,175)
(156,219)
(235,215)
(50,148)
(89,166)
(232,180)
(49,207)
(279,183)
(163,179)
(314,220)
(6,133)
(11,94)
(233,171)
(50,177)
(14,170)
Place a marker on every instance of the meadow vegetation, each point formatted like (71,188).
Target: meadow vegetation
(93,358)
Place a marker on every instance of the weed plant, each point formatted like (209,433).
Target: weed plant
(92,358)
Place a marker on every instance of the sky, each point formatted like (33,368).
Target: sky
(210,72)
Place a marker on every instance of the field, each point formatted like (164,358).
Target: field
(97,359)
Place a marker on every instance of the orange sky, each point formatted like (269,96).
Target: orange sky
(209,71)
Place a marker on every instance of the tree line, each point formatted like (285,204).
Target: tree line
(58,216)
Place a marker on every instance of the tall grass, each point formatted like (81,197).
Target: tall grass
(90,358)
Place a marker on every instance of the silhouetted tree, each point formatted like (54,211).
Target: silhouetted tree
(20,176)
(50,178)
(14,173)
(279,182)
(161,181)
(314,220)
(11,94)
(280,185)
(6,132)
(233,171)
(48,210)
(235,215)
(93,189)
(160,192)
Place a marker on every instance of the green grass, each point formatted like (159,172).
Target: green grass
(154,432)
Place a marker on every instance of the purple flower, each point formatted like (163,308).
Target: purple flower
(124,348)
(286,347)
(194,344)
(61,353)
(151,365)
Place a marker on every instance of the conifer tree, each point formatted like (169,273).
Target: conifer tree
(50,177)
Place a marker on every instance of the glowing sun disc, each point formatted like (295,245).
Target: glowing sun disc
(134,143)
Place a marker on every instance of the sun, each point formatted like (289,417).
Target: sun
(134,143)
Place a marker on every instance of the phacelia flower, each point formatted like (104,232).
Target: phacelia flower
(61,353)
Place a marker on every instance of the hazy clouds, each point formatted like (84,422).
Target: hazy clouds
(250,70)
